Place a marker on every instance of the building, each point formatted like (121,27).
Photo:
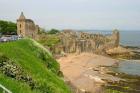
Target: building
(26,27)
(79,42)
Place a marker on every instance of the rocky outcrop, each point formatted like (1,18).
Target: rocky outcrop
(118,50)
(121,52)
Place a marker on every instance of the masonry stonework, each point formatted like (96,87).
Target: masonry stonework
(26,27)
(78,42)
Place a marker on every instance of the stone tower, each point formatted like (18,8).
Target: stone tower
(116,36)
(26,27)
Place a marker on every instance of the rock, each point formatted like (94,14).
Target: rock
(118,50)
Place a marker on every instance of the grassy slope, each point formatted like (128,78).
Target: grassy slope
(37,63)
(49,40)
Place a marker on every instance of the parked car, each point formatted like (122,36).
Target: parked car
(5,39)
(8,38)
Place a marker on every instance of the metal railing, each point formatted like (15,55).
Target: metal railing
(4,90)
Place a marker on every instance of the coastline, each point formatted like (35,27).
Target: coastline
(87,72)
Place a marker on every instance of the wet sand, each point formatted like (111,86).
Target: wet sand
(84,71)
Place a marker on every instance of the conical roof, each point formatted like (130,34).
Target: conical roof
(22,16)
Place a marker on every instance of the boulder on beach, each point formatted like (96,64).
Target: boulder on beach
(118,50)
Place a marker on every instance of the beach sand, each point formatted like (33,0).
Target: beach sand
(83,72)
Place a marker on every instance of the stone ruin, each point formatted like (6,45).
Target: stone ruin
(27,27)
(79,42)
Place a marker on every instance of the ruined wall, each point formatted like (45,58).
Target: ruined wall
(79,42)
(27,27)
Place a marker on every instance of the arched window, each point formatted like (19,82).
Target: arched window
(20,25)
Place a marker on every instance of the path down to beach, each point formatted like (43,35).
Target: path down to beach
(83,71)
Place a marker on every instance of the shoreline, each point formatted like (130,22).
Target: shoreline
(87,72)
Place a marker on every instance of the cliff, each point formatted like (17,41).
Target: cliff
(27,67)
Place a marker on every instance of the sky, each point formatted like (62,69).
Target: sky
(75,14)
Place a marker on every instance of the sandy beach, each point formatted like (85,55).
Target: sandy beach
(84,71)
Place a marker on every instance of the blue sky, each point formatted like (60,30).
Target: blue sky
(76,14)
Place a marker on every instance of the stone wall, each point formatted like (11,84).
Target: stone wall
(79,42)
(27,27)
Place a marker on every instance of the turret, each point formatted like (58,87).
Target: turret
(21,25)
(26,27)
(22,17)
(116,36)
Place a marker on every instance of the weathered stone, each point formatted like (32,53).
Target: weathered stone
(78,42)
(27,27)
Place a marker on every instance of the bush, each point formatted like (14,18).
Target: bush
(53,31)
(8,28)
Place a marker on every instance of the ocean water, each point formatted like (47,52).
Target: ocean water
(127,38)
(130,38)
(129,67)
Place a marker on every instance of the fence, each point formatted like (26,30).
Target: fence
(4,90)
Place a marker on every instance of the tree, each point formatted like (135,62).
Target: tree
(8,28)
(53,31)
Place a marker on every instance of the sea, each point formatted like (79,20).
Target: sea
(127,38)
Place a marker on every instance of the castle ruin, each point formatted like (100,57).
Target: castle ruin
(79,42)
(26,27)
(71,41)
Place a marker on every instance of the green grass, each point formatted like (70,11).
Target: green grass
(50,40)
(36,62)
(14,86)
(112,91)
